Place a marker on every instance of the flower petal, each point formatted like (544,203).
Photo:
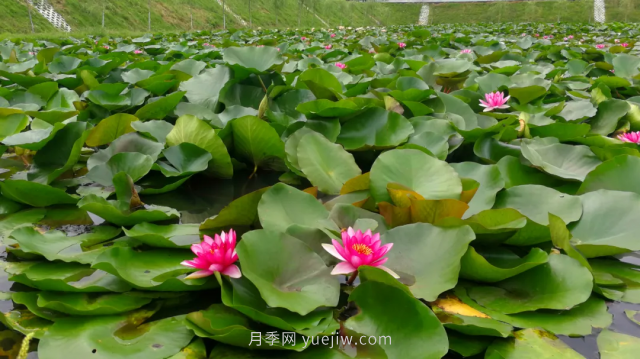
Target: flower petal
(199,274)
(343,268)
(333,251)
(232,271)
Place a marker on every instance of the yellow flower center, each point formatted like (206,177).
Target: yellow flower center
(362,249)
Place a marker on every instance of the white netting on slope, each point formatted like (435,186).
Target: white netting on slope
(49,13)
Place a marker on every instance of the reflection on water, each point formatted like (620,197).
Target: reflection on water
(203,197)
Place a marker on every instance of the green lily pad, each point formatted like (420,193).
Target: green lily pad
(536,202)
(374,128)
(257,143)
(385,312)
(35,194)
(118,336)
(192,130)
(530,344)
(497,264)
(184,159)
(614,345)
(327,166)
(429,177)
(110,128)
(119,213)
(561,283)
(169,236)
(134,164)
(282,206)
(88,304)
(287,272)
(426,257)
(565,161)
(156,269)
(490,181)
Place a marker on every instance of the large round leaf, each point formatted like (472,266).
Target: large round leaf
(170,236)
(430,177)
(614,345)
(405,328)
(157,269)
(130,142)
(119,213)
(183,160)
(562,283)
(427,257)
(253,58)
(113,337)
(35,194)
(287,272)
(496,264)
(536,202)
(327,165)
(258,143)
(531,344)
(192,130)
(609,224)
(110,128)
(375,128)
(134,164)
(490,183)
(85,304)
(204,89)
(614,175)
(282,205)
(565,161)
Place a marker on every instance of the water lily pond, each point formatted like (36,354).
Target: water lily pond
(405,192)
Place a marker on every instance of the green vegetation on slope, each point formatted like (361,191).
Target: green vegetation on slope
(14,17)
(545,11)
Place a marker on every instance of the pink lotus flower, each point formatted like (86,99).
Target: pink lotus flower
(358,249)
(402,45)
(341,65)
(624,44)
(465,51)
(372,51)
(138,52)
(333,35)
(31,53)
(545,37)
(494,100)
(537,35)
(570,37)
(106,47)
(278,49)
(616,41)
(566,38)
(328,47)
(613,71)
(600,46)
(303,38)
(524,34)
(551,36)
(215,255)
(633,137)
(206,44)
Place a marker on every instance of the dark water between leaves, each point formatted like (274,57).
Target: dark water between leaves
(202,198)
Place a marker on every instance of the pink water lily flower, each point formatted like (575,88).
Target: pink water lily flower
(545,37)
(328,47)
(106,47)
(537,35)
(570,37)
(372,51)
(600,46)
(137,52)
(465,51)
(333,35)
(624,44)
(633,137)
(566,38)
(303,38)
(341,65)
(494,100)
(215,255)
(616,41)
(524,34)
(402,45)
(359,249)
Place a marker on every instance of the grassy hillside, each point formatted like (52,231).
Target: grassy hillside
(174,15)
(14,17)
